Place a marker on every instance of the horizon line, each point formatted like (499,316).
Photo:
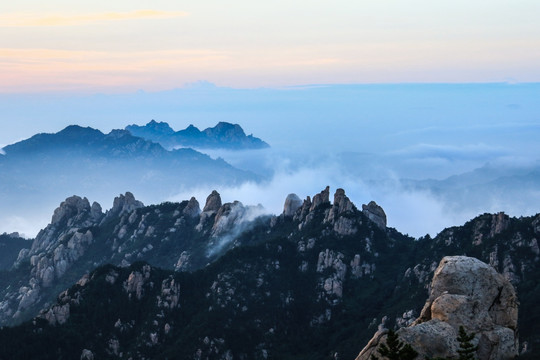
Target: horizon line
(209,86)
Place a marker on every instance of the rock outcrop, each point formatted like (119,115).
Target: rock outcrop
(124,204)
(56,248)
(136,281)
(192,209)
(69,208)
(464,292)
(341,205)
(340,216)
(213,202)
(227,216)
(321,198)
(375,213)
(292,203)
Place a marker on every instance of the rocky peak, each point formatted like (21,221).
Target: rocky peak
(341,202)
(464,292)
(213,202)
(226,130)
(303,211)
(191,130)
(227,216)
(96,211)
(76,213)
(341,205)
(153,128)
(69,208)
(124,204)
(375,213)
(292,203)
(192,209)
(160,127)
(73,134)
(321,198)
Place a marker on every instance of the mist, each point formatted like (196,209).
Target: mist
(413,212)
(432,155)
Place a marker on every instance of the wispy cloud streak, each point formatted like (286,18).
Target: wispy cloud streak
(41,20)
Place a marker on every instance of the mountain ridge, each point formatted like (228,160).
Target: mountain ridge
(224,135)
(313,275)
(35,172)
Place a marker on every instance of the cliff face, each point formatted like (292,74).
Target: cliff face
(464,292)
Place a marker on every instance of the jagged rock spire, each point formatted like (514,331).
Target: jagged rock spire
(192,209)
(125,204)
(341,204)
(321,198)
(213,202)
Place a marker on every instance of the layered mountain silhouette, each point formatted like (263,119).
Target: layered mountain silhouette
(224,280)
(35,172)
(503,184)
(222,136)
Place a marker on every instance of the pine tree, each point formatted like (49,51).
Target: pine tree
(395,349)
(466,349)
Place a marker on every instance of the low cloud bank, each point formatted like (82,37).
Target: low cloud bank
(410,210)
(414,212)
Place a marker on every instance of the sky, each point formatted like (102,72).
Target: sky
(124,46)
(344,91)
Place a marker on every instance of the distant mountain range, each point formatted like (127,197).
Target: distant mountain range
(222,136)
(502,185)
(81,160)
(78,155)
(223,281)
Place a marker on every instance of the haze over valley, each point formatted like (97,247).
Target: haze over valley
(432,155)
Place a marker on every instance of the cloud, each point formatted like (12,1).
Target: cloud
(239,219)
(409,211)
(451,152)
(53,69)
(40,20)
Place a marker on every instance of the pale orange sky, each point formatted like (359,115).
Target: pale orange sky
(131,45)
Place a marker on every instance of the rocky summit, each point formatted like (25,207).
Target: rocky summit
(222,136)
(172,281)
(464,292)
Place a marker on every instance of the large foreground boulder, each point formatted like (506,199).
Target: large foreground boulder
(464,292)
